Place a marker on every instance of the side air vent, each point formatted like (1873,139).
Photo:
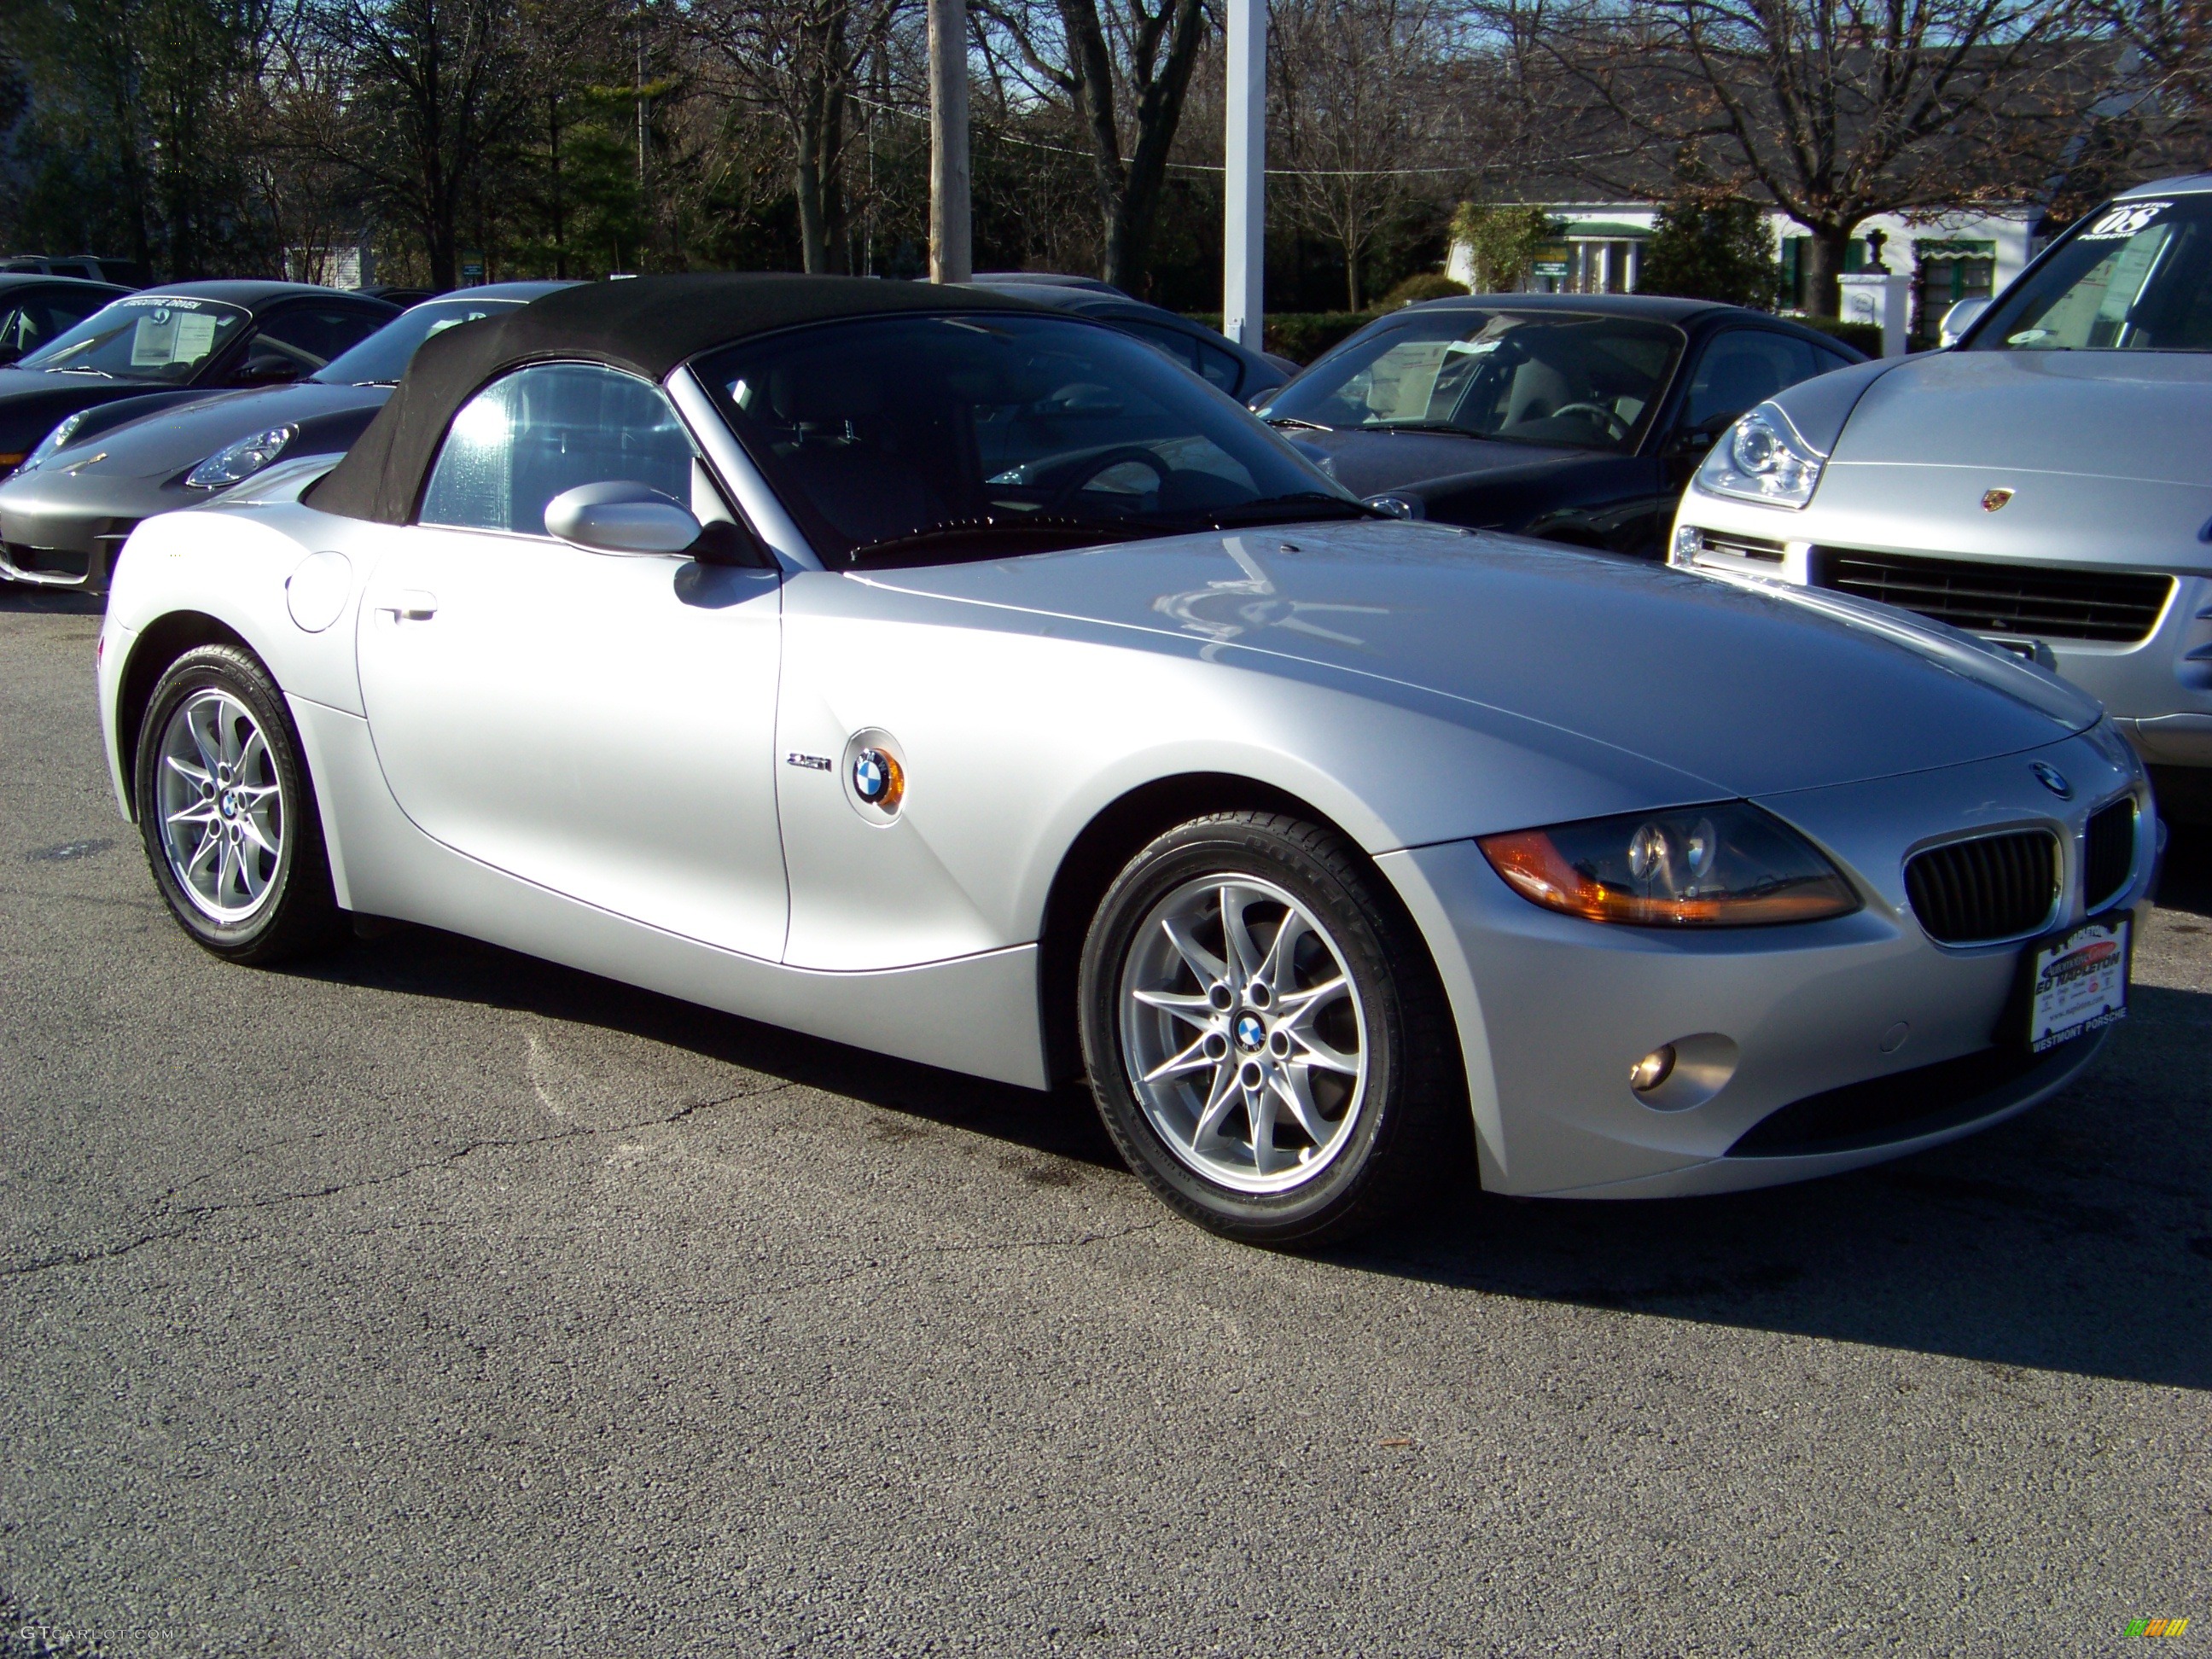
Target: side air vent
(1729,545)
(2109,858)
(1976,892)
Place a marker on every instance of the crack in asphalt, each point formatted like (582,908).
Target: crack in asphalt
(191,1215)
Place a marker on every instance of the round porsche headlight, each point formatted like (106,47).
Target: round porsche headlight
(55,440)
(235,463)
(1762,458)
(1727,865)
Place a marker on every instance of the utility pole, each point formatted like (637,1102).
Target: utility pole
(1244,251)
(952,246)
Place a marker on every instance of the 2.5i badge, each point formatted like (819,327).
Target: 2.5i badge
(2077,983)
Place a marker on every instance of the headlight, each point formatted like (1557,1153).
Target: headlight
(235,463)
(1762,458)
(54,441)
(1725,865)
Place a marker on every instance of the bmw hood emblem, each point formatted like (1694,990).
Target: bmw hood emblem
(2051,779)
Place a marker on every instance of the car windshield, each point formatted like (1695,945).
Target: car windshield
(1550,378)
(383,357)
(162,338)
(921,439)
(2134,277)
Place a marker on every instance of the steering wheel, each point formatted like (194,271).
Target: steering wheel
(1088,472)
(1615,428)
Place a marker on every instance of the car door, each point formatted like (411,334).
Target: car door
(599,724)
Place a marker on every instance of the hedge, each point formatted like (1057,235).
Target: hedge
(1866,336)
(1301,336)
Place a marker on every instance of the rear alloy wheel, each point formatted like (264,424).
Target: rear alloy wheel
(226,811)
(1265,1043)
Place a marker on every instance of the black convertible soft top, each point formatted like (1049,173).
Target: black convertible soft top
(647,324)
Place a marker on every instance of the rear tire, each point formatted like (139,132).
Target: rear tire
(1264,1033)
(227,812)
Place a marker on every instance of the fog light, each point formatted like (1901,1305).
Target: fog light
(1689,542)
(1654,1069)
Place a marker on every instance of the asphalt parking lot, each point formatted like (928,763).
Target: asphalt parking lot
(428,1300)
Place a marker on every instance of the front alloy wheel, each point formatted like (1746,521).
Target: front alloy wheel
(1264,1033)
(1244,1034)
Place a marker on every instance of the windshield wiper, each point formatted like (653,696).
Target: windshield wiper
(1300,506)
(71,369)
(1048,531)
(1297,424)
(1424,426)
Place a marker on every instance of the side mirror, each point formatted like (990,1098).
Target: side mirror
(1694,442)
(618,517)
(1961,318)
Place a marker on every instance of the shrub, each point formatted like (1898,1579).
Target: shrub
(1504,241)
(1301,336)
(1866,336)
(1702,249)
(1422,285)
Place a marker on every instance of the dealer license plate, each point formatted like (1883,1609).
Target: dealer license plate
(2077,982)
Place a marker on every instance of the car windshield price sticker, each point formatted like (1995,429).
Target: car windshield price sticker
(168,337)
(2078,983)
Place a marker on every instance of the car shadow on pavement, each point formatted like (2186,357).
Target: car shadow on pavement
(50,601)
(424,961)
(2185,881)
(2077,1238)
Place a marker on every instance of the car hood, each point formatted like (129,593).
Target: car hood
(2137,416)
(169,440)
(1369,462)
(1746,690)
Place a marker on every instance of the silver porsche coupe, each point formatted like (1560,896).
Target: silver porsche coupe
(963,681)
(2046,484)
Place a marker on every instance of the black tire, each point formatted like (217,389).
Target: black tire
(297,910)
(1411,1108)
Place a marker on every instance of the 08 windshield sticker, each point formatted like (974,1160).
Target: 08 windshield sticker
(2117,224)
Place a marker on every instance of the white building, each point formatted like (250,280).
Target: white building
(1965,255)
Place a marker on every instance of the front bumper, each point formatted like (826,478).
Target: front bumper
(61,530)
(1553,1011)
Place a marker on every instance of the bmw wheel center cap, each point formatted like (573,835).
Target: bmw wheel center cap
(1250,1032)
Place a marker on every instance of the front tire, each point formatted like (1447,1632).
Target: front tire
(227,812)
(1264,1034)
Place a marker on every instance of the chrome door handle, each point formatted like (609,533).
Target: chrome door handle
(413,606)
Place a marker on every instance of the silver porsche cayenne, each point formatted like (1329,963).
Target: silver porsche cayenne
(2046,484)
(964,681)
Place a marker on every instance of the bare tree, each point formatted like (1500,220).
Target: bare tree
(1834,110)
(1125,70)
(805,61)
(419,97)
(1352,81)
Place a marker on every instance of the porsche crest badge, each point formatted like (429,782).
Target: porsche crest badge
(1994,499)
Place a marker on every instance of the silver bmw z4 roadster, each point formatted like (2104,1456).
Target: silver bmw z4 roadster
(965,681)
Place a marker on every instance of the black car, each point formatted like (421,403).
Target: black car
(74,503)
(36,310)
(125,274)
(180,341)
(1573,417)
(1246,376)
